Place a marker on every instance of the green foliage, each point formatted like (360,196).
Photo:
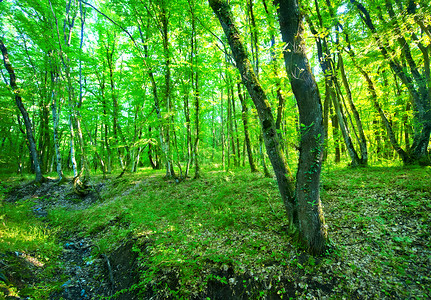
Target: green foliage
(229,228)
(226,218)
(235,221)
(28,246)
(22,231)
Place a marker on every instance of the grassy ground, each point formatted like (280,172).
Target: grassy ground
(223,236)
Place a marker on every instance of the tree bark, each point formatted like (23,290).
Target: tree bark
(304,209)
(55,121)
(311,223)
(246,134)
(28,127)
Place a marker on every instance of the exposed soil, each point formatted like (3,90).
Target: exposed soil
(85,276)
(51,194)
(91,277)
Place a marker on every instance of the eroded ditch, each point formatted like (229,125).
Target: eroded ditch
(85,272)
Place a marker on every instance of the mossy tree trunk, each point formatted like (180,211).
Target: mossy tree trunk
(311,223)
(303,203)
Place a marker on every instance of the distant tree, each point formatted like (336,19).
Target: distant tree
(413,72)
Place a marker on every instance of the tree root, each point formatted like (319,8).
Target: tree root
(81,188)
(111,274)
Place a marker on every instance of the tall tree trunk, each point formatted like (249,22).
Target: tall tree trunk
(326,116)
(197,128)
(153,163)
(195,87)
(188,134)
(223,156)
(327,65)
(44,138)
(281,99)
(246,134)
(262,155)
(254,38)
(335,133)
(85,170)
(167,93)
(235,124)
(163,130)
(55,119)
(416,83)
(230,121)
(115,125)
(387,124)
(105,120)
(28,127)
(362,138)
(69,22)
(344,128)
(303,209)
(311,223)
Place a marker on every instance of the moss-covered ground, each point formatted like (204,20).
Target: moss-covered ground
(222,236)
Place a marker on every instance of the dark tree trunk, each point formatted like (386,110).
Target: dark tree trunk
(311,223)
(304,209)
(22,109)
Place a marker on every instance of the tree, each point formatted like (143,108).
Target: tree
(417,83)
(303,204)
(18,100)
(334,96)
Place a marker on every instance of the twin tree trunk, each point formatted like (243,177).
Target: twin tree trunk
(303,202)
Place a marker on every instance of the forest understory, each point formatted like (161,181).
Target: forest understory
(222,236)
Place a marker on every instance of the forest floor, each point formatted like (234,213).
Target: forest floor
(222,236)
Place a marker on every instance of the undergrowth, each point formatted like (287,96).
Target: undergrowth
(228,229)
(27,247)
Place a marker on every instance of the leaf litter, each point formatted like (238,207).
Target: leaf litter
(233,245)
